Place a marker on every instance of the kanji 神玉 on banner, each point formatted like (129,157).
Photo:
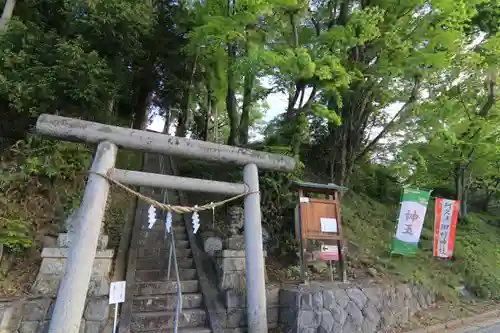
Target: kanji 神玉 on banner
(411,219)
(445,226)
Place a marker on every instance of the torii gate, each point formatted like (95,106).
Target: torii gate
(72,292)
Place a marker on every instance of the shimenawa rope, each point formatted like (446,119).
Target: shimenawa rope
(172,208)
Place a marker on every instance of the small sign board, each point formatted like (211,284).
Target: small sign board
(329,253)
(117,292)
(329,225)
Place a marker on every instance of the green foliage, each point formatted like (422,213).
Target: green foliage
(15,234)
(41,160)
(477,257)
(28,172)
(43,72)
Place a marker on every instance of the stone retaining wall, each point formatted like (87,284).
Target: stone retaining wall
(235,316)
(348,308)
(33,314)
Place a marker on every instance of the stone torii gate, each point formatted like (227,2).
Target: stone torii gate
(74,285)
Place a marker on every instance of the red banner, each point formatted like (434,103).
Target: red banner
(445,226)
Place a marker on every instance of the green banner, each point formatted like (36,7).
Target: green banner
(410,221)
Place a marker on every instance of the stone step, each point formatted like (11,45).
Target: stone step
(145,321)
(147,252)
(162,243)
(164,287)
(165,302)
(156,263)
(153,275)
(190,330)
(160,235)
(182,330)
(177,222)
(159,226)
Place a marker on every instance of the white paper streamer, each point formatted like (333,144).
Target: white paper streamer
(196,222)
(151,216)
(168,222)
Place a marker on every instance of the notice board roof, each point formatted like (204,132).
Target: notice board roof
(318,188)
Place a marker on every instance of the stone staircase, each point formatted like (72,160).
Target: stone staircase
(151,297)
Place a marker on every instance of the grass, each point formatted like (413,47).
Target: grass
(369,227)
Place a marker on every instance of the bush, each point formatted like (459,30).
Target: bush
(477,256)
(40,180)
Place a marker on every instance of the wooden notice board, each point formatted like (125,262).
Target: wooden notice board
(319,220)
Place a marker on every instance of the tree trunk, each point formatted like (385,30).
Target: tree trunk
(215,125)
(232,112)
(486,201)
(8,9)
(247,106)
(141,113)
(209,123)
(183,119)
(461,189)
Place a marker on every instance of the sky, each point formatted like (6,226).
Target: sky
(277,103)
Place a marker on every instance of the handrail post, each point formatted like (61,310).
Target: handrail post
(72,292)
(254,255)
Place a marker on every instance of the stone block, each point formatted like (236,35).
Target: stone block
(232,280)
(235,243)
(99,286)
(28,326)
(327,321)
(288,316)
(288,298)
(230,264)
(10,316)
(339,314)
(307,330)
(60,252)
(374,294)
(305,301)
(230,254)
(93,326)
(108,327)
(371,312)
(44,327)
(273,314)
(97,309)
(308,319)
(354,314)
(56,266)
(211,242)
(388,318)
(357,296)
(36,310)
(47,285)
(369,326)
(65,240)
(335,298)
(236,318)
(317,300)
(234,299)
(50,311)
(272,295)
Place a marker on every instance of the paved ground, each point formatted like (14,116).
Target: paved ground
(489,326)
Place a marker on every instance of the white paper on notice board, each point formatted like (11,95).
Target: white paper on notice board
(329,224)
